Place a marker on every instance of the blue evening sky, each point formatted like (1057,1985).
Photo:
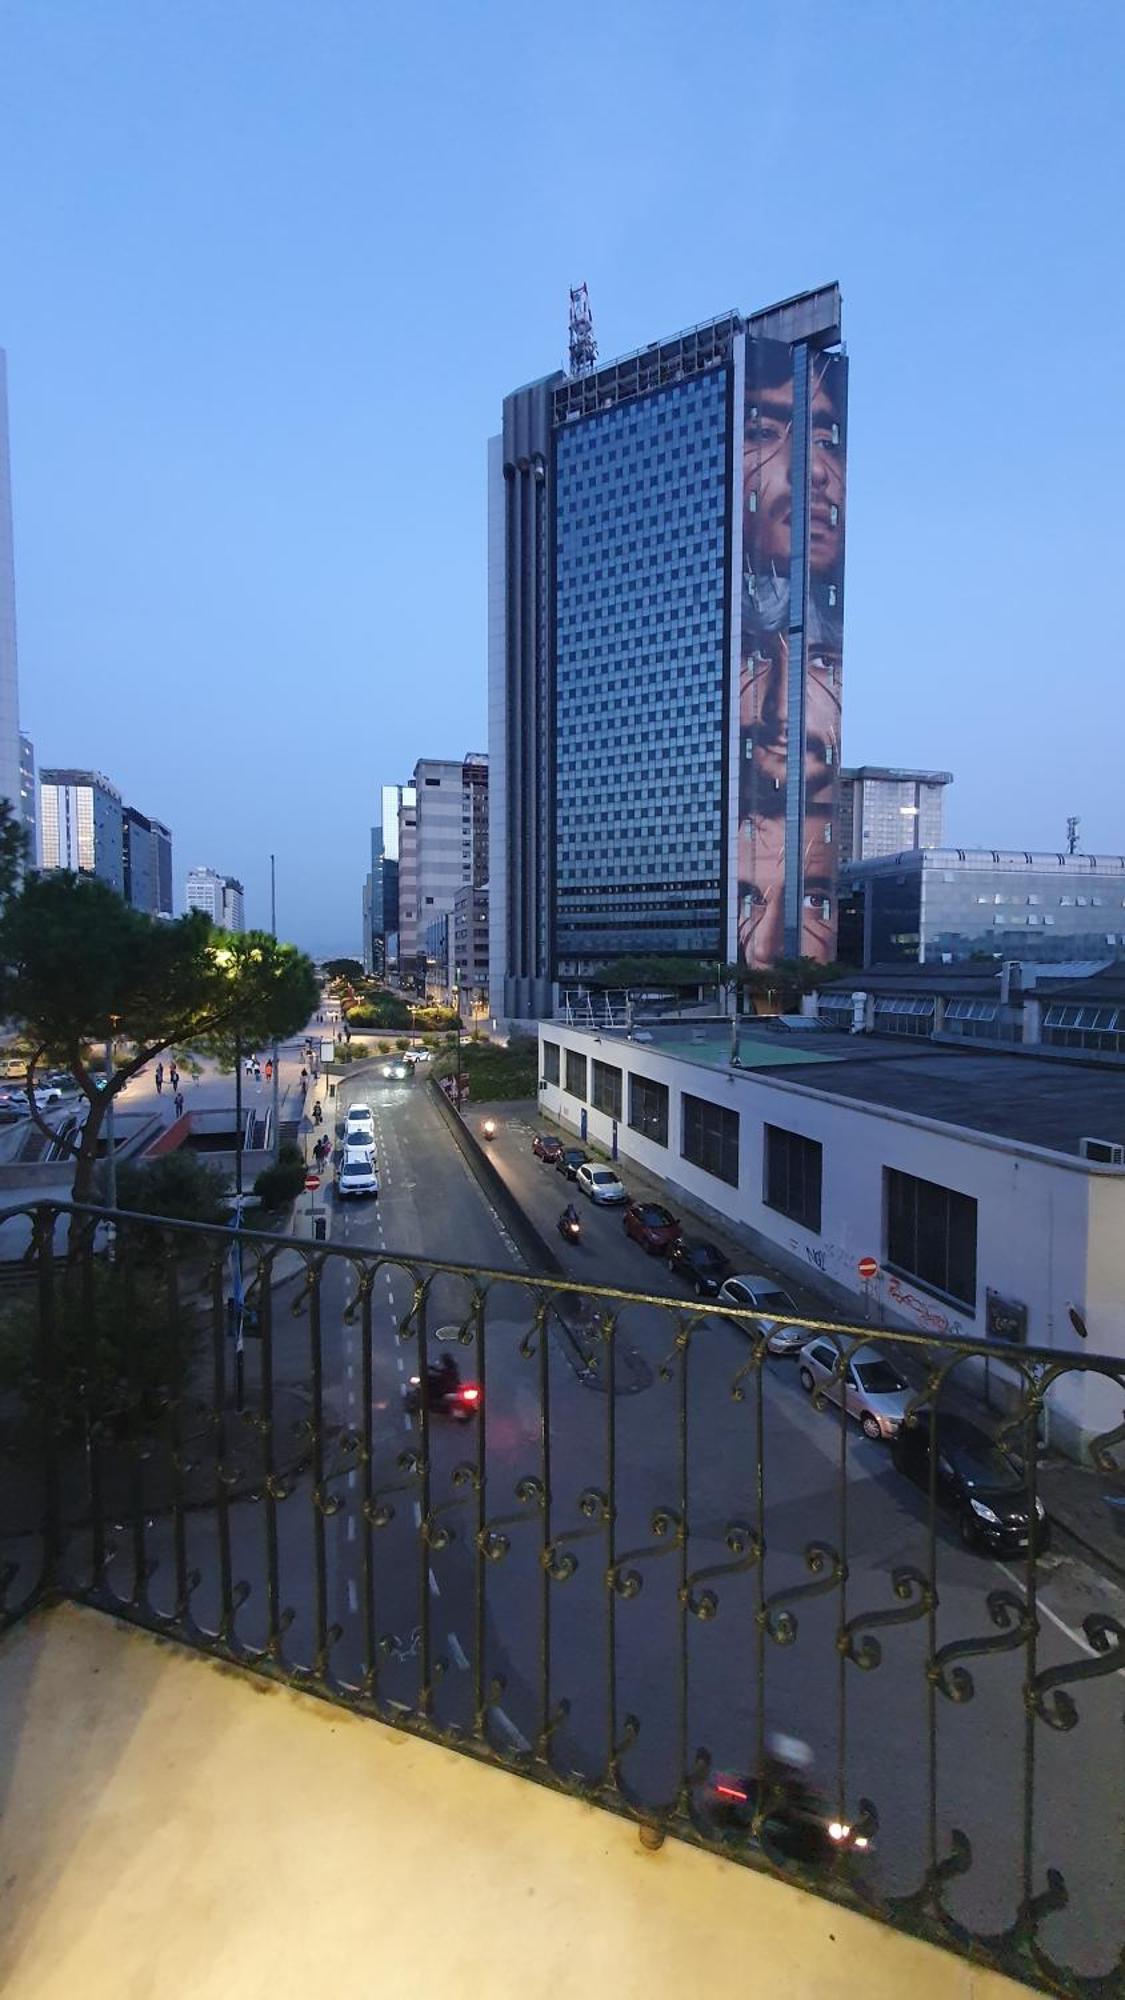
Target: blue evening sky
(267,269)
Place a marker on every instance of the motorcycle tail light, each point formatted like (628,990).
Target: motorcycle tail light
(470,1395)
(725,1790)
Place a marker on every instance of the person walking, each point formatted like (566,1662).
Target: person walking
(174,1077)
(269,1069)
(160,1083)
(304,1079)
(178,1101)
(159,1074)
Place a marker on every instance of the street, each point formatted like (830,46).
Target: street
(492,1558)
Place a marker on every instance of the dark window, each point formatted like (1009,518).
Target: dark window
(932,1236)
(605,1089)
(551,1061)
(575,1074)
(648,1108)
(711,1138)
(793,1176)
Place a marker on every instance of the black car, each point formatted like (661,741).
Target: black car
(977,1482)
(569,1160)
(701,1265)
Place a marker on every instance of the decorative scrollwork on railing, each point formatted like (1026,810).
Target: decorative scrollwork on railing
(491,1539)
(917,1598)
(1005,1610)
(745,1545)
(364,1288)
(827,1568)
(1047,1697)
(379,1509)
(668,1527)
(927,1897)
(551,1728)
(465,1479)
(1101,1452)
(560,1563)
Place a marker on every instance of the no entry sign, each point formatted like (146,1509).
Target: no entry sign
(868,1269)
(312,1182)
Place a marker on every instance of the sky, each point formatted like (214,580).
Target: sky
(267,270)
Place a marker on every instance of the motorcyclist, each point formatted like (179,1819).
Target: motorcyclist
(785,1771)
(443,1378)
(569,1219)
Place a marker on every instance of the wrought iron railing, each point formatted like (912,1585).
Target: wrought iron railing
(643,1553)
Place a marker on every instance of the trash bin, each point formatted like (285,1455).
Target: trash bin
(331,1090)
(320,1228)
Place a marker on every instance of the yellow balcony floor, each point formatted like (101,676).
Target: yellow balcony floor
(174,1830)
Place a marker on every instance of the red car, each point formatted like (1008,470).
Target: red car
(653,1227)
(545,1146)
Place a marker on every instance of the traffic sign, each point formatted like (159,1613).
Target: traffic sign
(312,1182)
(868,1269)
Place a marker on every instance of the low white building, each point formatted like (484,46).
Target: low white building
(960,1173)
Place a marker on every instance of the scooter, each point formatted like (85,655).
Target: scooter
(446,1396)
(570,1229)
(797,1823)
(489,1128)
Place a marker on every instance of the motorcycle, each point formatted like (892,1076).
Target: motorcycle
(446,1395)
(797,1823)
(489,1128)
(570,1229)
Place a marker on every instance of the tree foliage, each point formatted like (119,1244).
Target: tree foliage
(344,968)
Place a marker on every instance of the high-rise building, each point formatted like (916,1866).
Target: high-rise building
(380,906)
(442,847)
(81,825)
(935,905)
(9,677)
(162,866)
(408,925)
(887,811)
(204,891)
(666,578)
(234,904)
(29,799)
(138,860)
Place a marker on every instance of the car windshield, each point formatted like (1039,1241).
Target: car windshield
(357,1117)
(984,1466)
(654,1218)
(775,1301)
(706,1253)
(360,1172)
(878,1378)
(603,1179)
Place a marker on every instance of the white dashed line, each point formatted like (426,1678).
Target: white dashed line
(417,1514)
(406,1424)
(1076,1638)
(460,1657)
(434,1590)
(351,1479)
(353,1600)
(401,1364)
(351,1527)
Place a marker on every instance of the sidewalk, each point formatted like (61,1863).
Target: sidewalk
(1084,1503)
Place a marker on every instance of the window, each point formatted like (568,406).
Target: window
(793,1165)
(575,1074)
(605,1094)
(648,1109)
(932,1236)
(551,1062)
(710,1138)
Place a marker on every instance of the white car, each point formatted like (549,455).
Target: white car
(46,1097)
(420,1054)
(600,1183)
(359,1126)
(772,1303)
(355,1174)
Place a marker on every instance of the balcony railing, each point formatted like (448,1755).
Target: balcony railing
(637,1554)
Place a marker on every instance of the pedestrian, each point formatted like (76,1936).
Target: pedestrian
(174,1077)
(304,1078)
(249,1065)
(160,1083)
(159,1074)
(269,1071)
(257,1071)
(178,1101)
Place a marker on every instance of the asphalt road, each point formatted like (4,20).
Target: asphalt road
(499,1501)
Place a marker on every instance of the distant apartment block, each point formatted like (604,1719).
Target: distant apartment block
(29,799)
(220,897)
(81,821)
(443,848)
(887,811)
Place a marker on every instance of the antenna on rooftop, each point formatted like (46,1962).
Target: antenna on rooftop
(583,346)
(1072,826)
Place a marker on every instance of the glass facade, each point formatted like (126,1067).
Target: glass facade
(648,1108)
(953,904)
(641,647)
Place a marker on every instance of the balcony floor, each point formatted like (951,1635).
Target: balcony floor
(176,1829)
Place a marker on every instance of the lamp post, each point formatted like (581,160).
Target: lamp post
(110,1138)
(457,1005)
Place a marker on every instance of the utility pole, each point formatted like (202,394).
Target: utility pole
(276,1077)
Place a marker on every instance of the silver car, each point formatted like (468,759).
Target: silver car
(873,1390)
(600,1183)
(767,1298)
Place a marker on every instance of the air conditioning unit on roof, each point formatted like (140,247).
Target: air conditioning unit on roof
(1107,1152)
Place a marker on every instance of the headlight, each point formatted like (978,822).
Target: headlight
(984,1513)
(1040,1510)
(838,1829)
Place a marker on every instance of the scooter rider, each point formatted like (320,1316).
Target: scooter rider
(443,1378)
(569,1221)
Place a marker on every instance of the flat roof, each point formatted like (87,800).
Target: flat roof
(1034,1101)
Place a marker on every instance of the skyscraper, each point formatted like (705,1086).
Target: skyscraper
(138,859)
(220,897)
(9,679)
(29,798)
(665,618)
(81,825)
(234,904)
(888,811)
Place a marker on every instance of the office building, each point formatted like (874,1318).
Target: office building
(365,927)
(663,621)
(162,866)
(29,799)
(468,957)
(138,860)
(9,678)
(380,916)
(959,903)
(1073,1009)
(443,847)
(408,926)
(887,811)
(81,825)
(220,897)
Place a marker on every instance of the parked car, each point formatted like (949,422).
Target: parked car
(600,1183)
(977,1481)
(16,1100)
(359,1126)
(873,1390)
(546,1146)
(653,1227)
(772,1303)
(568,1161)
(701,1264)
(355,1173)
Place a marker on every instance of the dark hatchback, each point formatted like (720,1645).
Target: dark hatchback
(700,1264)
(545,1146)
(653,1227)
(568,1159)
(977,1482)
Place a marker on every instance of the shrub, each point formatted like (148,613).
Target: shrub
(403,1042)
(179,1185)
(277,1186)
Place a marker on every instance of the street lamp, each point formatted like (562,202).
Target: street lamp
(110,1139)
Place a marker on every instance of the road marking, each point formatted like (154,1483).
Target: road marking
(401,1364)
(508,1726)
(434,1590)
(351,1527)
(353,1601)
(1076,1638)
(417,1513)
(351,1371)
(351,1480)
(460,1657)
(406,1424)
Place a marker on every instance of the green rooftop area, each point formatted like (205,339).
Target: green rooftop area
(768,1048)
